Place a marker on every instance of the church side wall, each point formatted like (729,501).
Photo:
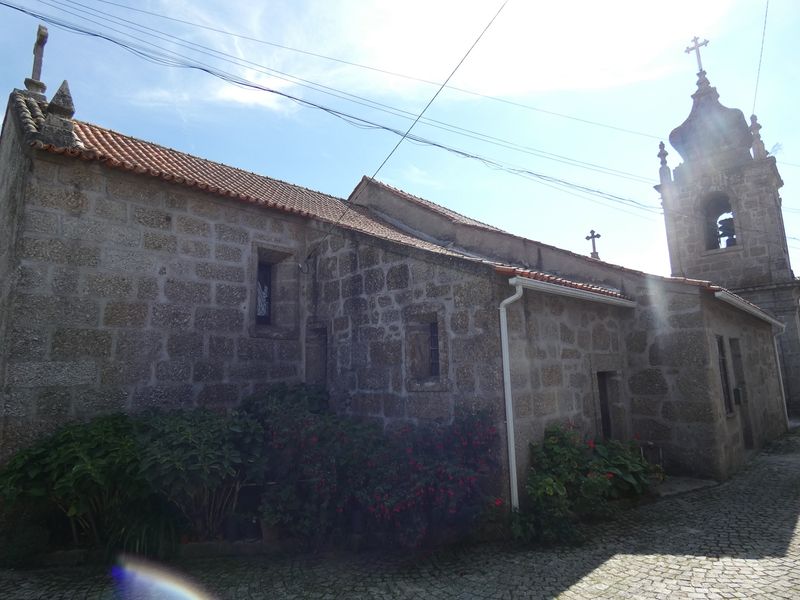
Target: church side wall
(759,415)
(783,302)
(135,293)
(669,378)
(557,347)
(14,164)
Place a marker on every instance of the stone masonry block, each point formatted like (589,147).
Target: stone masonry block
(95,230)
(125,314)
(163,396)
(552,376)
(195,248)
(27,344)
(220,347)
(374,281)
(231,235)
(39,221)
(111,210)
(218,394)
(171,316)
(185,344)
(192,226)
(108,286)
(152,217)
(161,242)
(31,277)
(648,382)
(255,349)
(129,261)
(73,343)
(187,292)
(228,253)
(138,345)
(43,311)
(118,372)
(352,286)
(59,252)
(397,277)
(230,295)
(58,197)
(219,319)
(173,370)
(147,288)
(207,270)
(52,373)
(208,371)
(64,281)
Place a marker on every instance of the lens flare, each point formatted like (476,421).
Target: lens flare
(137,579)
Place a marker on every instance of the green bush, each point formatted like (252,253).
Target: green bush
(138,483)
(327,477)
(199,461)
(570,480)
(89,471)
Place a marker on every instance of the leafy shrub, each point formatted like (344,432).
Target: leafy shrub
(198,461)
(571,480)
(91,473)
(327,476)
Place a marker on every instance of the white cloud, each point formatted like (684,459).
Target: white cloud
(532,46)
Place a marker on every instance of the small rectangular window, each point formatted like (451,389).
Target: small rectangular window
(433,353)
(723,373)
(264,294)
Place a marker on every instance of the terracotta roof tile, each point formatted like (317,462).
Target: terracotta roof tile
(123,152)
(548,278)
(446,212)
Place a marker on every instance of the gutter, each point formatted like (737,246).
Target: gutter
(751,309)
(569,292)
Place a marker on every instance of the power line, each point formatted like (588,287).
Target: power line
(360,100)
(386,72)
(760,57)
(408,131)
(171,58)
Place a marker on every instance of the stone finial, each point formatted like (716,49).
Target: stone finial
(759,151)
(664,173)
(61,104)
(57,128)
(33,83)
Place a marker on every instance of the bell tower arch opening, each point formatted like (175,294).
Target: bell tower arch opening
(719,221)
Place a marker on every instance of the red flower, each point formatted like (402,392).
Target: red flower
(609,475)
(498,502)
(590,443)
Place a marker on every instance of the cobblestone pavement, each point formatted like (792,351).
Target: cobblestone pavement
(737,540)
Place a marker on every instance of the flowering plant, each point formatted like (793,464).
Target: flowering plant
(570,480)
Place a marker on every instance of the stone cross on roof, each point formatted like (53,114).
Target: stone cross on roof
(34,83)
(696,49)
(593,236)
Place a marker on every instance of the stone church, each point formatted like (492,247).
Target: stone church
(133,275)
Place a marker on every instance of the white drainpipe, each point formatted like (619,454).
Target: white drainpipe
(780,375)
(512,454)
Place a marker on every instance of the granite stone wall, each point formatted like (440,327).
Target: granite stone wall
(371,297)
(129,293)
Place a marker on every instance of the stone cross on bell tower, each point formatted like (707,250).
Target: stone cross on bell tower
(723,215)
(34,82)
(696,49)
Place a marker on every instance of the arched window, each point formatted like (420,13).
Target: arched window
(720,226)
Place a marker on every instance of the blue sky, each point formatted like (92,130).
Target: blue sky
(619,63)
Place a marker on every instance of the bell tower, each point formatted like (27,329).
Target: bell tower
(722,212)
